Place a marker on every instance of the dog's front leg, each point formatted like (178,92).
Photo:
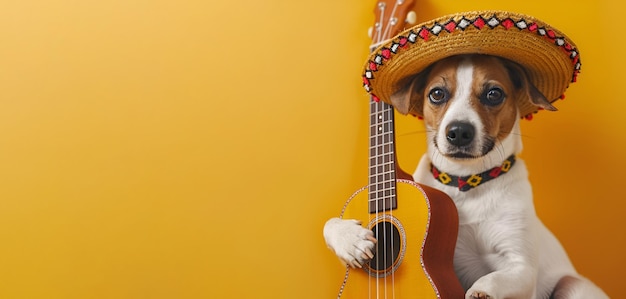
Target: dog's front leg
(516,282)
(511,252)
(351,242)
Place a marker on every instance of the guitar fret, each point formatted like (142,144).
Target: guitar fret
(380,168)
(386,145)
(382,187)
(374,181)
(382,128)
(388,195)
(385,195)
(388,167)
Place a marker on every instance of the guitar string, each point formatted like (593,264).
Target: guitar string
(391,20)
(391,149)
(379,195)
(389,134)
(374,104)
(382,106)
(392,158)
(372,162)
(377,152)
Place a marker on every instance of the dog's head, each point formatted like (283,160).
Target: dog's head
(469,103)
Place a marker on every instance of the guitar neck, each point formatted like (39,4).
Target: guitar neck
(391,17)
(382,158)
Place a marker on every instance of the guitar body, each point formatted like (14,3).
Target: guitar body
(415,246)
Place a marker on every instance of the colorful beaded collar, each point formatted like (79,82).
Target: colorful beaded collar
(466,183)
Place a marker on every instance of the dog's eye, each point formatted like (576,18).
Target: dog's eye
(438,96)
(493,97)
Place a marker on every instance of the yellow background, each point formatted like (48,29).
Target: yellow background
(194,149)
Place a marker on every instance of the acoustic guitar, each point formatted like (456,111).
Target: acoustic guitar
(416,226)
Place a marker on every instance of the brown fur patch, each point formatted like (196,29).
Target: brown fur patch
(442,75)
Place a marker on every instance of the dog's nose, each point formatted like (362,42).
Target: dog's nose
(460,133)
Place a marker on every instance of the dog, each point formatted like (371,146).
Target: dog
(503,250)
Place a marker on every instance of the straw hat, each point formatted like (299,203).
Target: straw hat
(550,58)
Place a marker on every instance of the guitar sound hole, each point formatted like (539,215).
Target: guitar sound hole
(388,246)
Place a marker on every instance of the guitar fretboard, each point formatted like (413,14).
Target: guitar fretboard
(382,175)
(391,17)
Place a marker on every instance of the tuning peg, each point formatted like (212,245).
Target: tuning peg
(411,17)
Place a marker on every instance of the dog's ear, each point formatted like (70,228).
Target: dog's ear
(408,97)
(521,81)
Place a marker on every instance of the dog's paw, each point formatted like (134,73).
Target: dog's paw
(351,242)
(478,295)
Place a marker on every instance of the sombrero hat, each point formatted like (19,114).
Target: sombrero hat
(550,58)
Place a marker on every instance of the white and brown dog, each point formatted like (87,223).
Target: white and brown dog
(503,250)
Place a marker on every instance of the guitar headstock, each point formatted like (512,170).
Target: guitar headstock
(392,16)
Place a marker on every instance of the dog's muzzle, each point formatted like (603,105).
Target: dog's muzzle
(460,134)
(463,142)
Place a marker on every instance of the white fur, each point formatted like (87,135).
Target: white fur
(503,250)
(349,240)
(461,110)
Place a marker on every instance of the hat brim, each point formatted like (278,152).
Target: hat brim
(551,60)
